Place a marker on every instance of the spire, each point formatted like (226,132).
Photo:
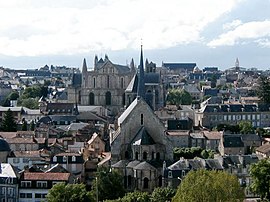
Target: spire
(132,66)
(84,67)
(95,62)
(237,63)
(140,89)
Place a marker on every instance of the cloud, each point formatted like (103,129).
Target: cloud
(33,28)
(250,32)
(231,25)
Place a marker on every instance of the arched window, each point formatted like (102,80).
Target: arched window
(145,183)
(126,155)
(144,155)
(123,99)
(108,81)
(122,83)
(91,99)
(108,98)
(141,119)
(158,156)
(94,82)
(160,181)
(137,156)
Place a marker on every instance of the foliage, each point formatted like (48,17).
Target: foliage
(109,183)
(31,103)
(24,125)
(263,90)
(246,127)
(205,186)
(261,178)
(190,153)
(35,91)
(70,192)
(178,97)
(32,125)
(136,196)
(14,95)
(227,127)
(8,122)
(162,194)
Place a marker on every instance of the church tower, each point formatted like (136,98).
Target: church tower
(141,87)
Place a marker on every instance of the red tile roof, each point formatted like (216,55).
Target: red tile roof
(46,176)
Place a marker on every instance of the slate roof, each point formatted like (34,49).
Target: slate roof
(120,164)
(213,164)
(212,135)
(232,140)
(195,164)
(142,138)
(4,146)
(126,113)
(144,166)
(173,66)
(229,108)
(132,164)
(179,165)
(251,137)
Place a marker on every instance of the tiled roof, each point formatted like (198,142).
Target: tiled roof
(68,154)
(20,140)
(144,166)
(212,135)
(46,176)
(178,133)
(264,148)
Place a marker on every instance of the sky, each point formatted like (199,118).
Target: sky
(34,33)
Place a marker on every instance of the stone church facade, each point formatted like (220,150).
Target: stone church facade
(105,85)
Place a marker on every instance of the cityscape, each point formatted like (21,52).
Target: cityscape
(172,107)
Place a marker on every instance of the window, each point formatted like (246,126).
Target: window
(122,83)
(170,174)
(41,184)
(25,183)
(37,195)
(144,155)
(64,159)
(136,155)
(158,156)
(108,81)
(16,160)
(94,84)
(141,119)
(108,98)
(91,99)
(54,159)
(145,183)
(73,158)
(25,195)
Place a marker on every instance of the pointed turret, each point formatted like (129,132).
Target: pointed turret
(237,67)
(132,66)
(141,87)
(106,57)
(84,67)
(95,62)
(146,66)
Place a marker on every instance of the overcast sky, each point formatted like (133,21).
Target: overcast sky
(63,32)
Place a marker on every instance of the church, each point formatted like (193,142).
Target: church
(139,146)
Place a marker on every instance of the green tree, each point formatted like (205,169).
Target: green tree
(31,103)
(178,97)
(32,125)
(14,95)
(62,192)
(136,196)
(261,178)
(205,186)
(263,90)
(162,194)
(108,184)
(24,125)
(8,122)
(246,127)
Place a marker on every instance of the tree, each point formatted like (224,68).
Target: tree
(62,192)
(31,103)
(108,184)
(136,196)
(263,90)
(246,127)
(162,194)
(32,125)
(178,97)
(261,178)
(204,186)
(8,122)
(24,125)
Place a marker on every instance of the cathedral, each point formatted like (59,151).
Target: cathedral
(115,86)
(105,85)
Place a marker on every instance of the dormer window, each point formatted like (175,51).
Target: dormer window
(73,158)
(54,159)
(64,159)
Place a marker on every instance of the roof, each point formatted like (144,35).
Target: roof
(4,146)
(144,166)
(46,176)
(232,140)
(198,135)
(213,164)
(142,138)
(133,164)
(125,114)
(120,164)
(265,148)
(21,140)
(179,165)
(196,164)
(7,170)
(94,136)
(212,135)
(27,154)
(178,133)
(188,66)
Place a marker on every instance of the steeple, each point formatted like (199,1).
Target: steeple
(132,66)
(84,67)
(237,67)
(95,62)
(141,87)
